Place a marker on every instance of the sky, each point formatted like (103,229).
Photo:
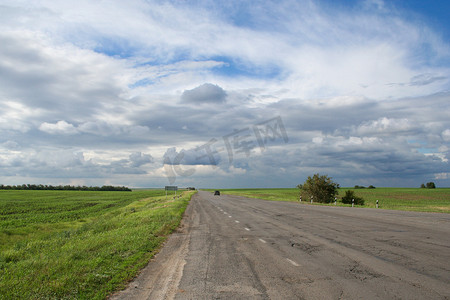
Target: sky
(224,94)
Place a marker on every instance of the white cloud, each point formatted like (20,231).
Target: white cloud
(441,156)
(352,86)
(138,159)
(99,128)
(446,135)
(237,171)
(60,127)
(15,116)
(385,126)
(67,163)
(103,128)
(441,176)
(363,53)
(317,140)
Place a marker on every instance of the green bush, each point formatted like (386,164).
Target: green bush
(349,196)
(429,185)
(321,188)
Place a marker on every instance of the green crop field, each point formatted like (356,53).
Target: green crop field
(80,244)
(412,199)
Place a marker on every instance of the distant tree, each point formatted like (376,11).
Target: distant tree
(359,187)
(422,186)
(349,196)
(321,188)
(431,185)
(371,187)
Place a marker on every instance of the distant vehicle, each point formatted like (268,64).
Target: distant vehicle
(217,193)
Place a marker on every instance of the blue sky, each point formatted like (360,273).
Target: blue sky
(224,94)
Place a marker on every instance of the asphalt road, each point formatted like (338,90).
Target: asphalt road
(232,247)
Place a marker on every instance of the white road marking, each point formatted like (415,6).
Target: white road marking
(236,221)
(247,229)
(225,213)
(293,262)
(229,216)
(262,241)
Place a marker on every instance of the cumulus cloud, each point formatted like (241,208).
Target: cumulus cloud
(56,77)
(103,128)
(138,159)
(446,135)
(202,154)
(59,163)
(205,93)
(362,91)
(385,126)
(441,176)
(99,128)
(60,127)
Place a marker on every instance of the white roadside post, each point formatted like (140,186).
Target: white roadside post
(311,199)
(335,200)
(377,203)
(353,202)
(300,198)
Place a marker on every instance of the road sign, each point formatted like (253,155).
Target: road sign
(171,188)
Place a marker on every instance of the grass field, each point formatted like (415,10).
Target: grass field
(79,244)
(412,199)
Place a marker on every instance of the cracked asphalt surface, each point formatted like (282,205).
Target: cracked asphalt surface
(231,247)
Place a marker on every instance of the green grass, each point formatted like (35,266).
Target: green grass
(411,199)
(78,244)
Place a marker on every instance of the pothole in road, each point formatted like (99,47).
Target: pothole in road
(362,273)
(308,248)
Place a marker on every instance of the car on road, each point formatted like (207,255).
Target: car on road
(217,193)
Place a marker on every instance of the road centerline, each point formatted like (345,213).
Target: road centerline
(292,262)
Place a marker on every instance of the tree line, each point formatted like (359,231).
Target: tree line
(41,187)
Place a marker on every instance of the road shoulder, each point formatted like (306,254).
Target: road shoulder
(162,275)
